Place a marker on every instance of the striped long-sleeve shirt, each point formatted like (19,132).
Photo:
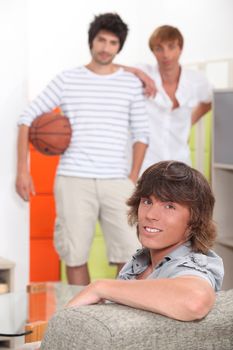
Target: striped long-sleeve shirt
(102,109)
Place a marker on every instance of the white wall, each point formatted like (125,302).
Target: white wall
(14,218)
(58,31)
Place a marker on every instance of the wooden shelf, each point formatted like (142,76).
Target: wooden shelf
(223,166)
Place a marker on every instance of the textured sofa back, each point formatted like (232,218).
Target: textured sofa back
(117,327)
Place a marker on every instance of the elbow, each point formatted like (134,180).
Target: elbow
(200,304)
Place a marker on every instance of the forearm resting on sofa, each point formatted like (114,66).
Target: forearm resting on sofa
(183,298)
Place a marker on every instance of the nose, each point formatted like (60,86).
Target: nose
(106,47)
(154,212)
(166,53)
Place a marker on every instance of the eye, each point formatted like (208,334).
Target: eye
(169,206)
(158,49)
(146,201)
(100,39)
(115,43)
(172,46)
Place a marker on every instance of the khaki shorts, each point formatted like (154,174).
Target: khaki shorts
(80,202)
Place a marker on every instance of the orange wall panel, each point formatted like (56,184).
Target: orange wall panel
(44,261)
(42,216)
(43,169)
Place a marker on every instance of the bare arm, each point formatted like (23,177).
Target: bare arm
(183,298)
(148,83)
(200,111)
(24,184)
(139,150)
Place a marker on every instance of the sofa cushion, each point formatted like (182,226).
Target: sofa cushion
(117,327)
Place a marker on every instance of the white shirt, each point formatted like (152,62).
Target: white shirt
(102,110)
(170,128)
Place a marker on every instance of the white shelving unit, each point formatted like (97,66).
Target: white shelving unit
(6,275)
(222,178)
(6,286)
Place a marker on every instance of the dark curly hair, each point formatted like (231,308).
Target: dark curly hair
(177,182)
(110,22)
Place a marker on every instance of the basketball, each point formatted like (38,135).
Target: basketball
(50,133)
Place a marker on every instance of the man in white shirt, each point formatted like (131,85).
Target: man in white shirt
(103,104)
(182,97)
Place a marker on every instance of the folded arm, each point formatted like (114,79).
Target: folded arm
(183,298)
(147,81)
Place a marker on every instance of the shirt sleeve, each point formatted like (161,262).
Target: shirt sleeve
(46,101)
(208,267)
(204,89)
(138,122)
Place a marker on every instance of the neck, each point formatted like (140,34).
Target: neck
(158,255)
(170,76)
(102,69)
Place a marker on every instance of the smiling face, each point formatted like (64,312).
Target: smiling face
(167,54)
(104,48)
(162,225)
(172,203)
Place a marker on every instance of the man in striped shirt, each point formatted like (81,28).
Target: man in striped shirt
(104,104)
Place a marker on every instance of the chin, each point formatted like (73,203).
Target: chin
(148,243)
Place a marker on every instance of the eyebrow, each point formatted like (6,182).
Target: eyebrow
(112,40)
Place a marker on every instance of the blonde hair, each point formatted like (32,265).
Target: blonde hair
(165,33)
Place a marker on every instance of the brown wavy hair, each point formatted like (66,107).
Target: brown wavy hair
(179,183)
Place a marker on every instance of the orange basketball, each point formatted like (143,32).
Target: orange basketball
(50,133)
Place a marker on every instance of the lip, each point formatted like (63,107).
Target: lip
(104,55)
(151,230)
(166,62)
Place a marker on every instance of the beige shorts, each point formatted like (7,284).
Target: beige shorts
(80,202)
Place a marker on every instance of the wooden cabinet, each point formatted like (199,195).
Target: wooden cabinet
(222,178)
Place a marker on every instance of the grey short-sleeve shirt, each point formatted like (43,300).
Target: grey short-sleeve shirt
(182,261)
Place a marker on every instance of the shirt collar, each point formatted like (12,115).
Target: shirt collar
(142,258)
(182,92)
(181,250)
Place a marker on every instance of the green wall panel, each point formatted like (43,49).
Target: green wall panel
(98,263)
(208,145)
